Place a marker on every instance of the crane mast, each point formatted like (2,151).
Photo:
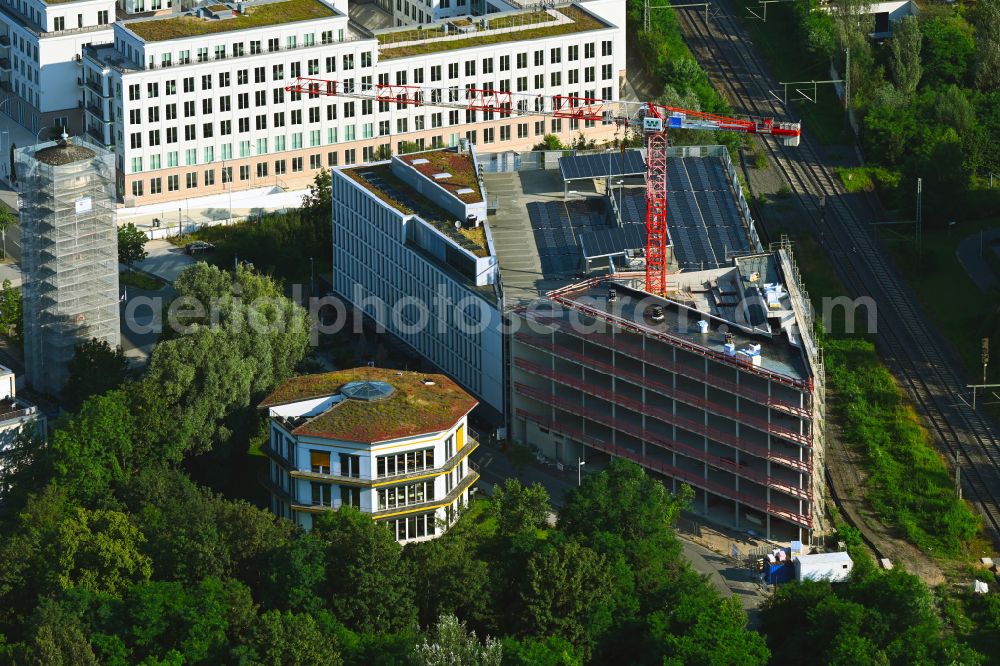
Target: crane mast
(652,120)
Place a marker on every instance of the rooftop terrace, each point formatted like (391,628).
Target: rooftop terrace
(258,15)
(460,167)
(421,403)
(380,181)
(507,28)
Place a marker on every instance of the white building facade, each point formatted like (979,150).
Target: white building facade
(417,483)
(40,59)
(183,124)
(417,278)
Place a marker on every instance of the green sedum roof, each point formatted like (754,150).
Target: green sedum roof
(414,408)
(256,16)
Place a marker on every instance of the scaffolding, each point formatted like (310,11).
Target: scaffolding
(69,254)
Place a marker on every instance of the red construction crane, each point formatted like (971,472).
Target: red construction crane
(652,120)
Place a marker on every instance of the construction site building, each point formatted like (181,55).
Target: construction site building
(69,254)
(717,384)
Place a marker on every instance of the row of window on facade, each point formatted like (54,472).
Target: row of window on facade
(240,49)
(171,135)
(261,169)
(348,85)
(59,22)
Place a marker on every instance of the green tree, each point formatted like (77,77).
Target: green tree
(986,20)
(7,220)
(92,452)
(518,507)
(452,580)
(622,500)
(318,201)
(568,593)
(131,245)
(294,574)
(875,618)
(200,378)
(290,639)
(371,590)
(551,651)
(192,532)
(165,620)
(947,51)
(904,49)
(96,368)
(56,638)
(696,627)
(450,644)
(11,311)
(100,551)
(549,142)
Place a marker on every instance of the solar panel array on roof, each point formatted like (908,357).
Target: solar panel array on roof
(556,227)
(614,240)
(703,220)
(601,166)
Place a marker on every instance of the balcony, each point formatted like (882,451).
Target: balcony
(470,478)
(97,86)
(4,41)
(803,520)
(97,112)
(644,434)
(4,64)
(275,489)
(320,475)
(97,133)
(664,389)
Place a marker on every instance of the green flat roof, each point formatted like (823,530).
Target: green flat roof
(414,408)
(393,192)
(256,16)
(432,40)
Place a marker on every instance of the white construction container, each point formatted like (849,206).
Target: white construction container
(834,567)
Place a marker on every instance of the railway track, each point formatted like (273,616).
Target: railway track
(921,359)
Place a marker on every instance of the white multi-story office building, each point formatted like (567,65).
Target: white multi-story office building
(393,444)
(183,123)
(413,251)
(17,416)
(40,58)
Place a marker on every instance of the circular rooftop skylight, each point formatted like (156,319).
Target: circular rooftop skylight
(367,391)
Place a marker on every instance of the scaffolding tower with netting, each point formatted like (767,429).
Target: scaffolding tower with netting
(69,254)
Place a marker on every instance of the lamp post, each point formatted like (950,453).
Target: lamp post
(579,471)
(608,186)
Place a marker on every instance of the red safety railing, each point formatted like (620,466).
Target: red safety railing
(746,365)
(618,344)
(642,433)
(665,389)
(803,520)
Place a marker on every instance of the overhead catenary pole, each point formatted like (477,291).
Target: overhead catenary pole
(920,216)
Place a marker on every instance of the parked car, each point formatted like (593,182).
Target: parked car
(197,247)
